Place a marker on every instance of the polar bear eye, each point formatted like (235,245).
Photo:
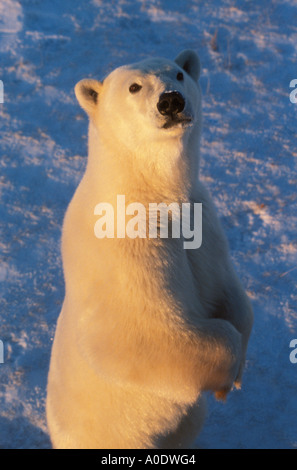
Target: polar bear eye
(180,76)
(134,88)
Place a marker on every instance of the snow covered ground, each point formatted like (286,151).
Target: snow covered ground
(248,52)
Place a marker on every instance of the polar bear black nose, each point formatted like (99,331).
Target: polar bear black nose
(170,103)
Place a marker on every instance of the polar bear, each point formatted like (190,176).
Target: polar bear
(146,326)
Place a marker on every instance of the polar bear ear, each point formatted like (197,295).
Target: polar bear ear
(189,61)
(87,93)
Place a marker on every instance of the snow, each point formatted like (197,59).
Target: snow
(249,154)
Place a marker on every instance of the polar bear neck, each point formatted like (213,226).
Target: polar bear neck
(166,170)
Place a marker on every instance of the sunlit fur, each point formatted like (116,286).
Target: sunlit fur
(146,326)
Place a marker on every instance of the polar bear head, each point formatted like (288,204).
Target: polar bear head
(146,101)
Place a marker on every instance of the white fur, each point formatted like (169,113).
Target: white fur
(146,326)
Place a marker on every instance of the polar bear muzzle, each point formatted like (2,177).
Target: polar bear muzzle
(171,103)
